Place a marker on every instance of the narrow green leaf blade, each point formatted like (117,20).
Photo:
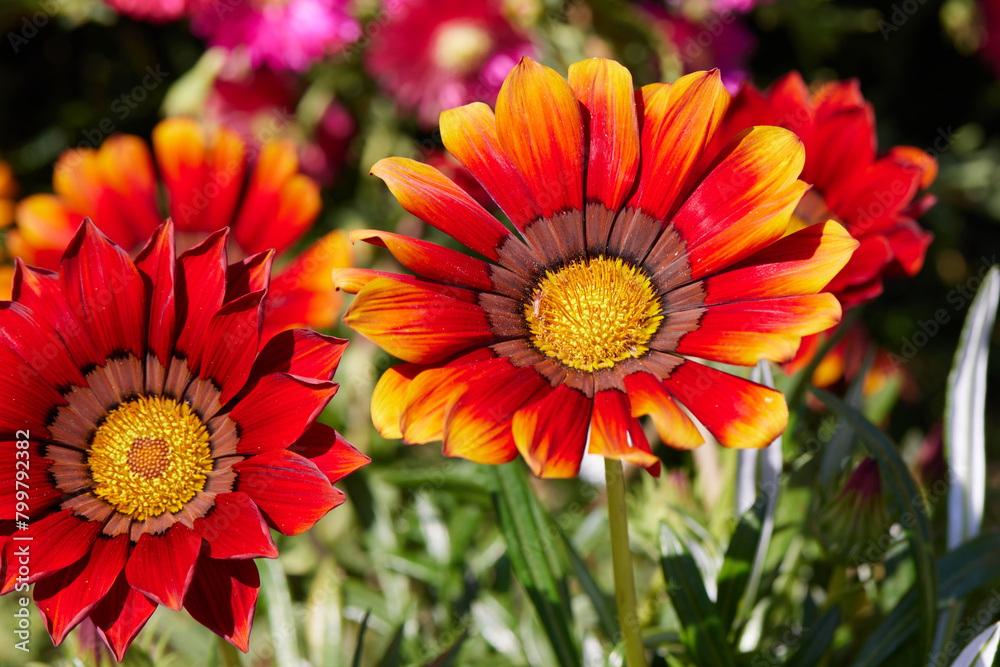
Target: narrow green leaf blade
(274,588)
(738,563)
(816,640)
(606,615)
(531,551)
(702,634)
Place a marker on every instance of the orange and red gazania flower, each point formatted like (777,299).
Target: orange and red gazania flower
(874,198)
(212,179)
(146,446)
(627,259)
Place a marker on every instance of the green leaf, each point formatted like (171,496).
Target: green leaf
(534,555)
(392,656)
(738,563)
(982,650)
(816,640)
(274,589)
(914,521)
(703,634)
(359,650)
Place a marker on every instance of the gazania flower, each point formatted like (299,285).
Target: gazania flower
(627,260)
(157,445)
(433,56)
(204,172)
(875,199)
(290,34)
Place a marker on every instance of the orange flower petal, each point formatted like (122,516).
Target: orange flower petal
(745,202)
(478,423)
(678,125)
(427,396)
(744,332)
(415,323)
(470,134)
(541,130)
(431,196)
(740,414)
(609,430)
(605,89)
(431,260)
(182,154)
(800,263)
(551,433)
(649,396)
(387,398)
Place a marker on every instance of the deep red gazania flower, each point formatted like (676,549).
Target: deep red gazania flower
(626,259)
(435,55)
(146,446)
(876,199)
(213,179)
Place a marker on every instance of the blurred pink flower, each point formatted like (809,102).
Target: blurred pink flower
(437,55)
(282,34)
(717,41)
(324,156)
(989,48)
(154,11)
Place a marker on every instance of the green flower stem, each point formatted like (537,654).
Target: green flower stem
(621,559)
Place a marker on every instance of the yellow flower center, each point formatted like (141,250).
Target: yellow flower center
(593,313)
(150,456)
(461,46)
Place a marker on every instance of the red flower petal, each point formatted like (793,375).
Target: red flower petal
(866,264)
(470,134)
(605,90)
(299,352)
(431,196)
(875,199)
(842,148)
(58,541)
(540,128)
(609,430)
(738,413)
(801,263)
(103,287)
(235,528)
(37,343)
(67,597)
(230,344)
(909,242)
(223,598)
(430,260)
(290,490)
(747,331)
(328,451)
(415,323)
(649,396)
(39,291)
(478,422)
(201,284)
(29,401)
(251,275)
(156,262)
(276,412)
(40,492)
(121,615)
(678,124)
(161,566)
(551,433)
(744,203)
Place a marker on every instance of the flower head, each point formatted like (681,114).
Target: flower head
(850,527)
(204,171)
(287,34)
(157,444)
(626,259)
(875,199)
(433,56)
